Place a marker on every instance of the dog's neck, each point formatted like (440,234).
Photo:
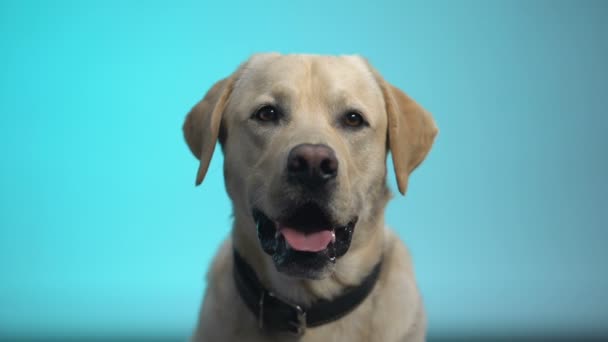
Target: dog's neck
(350,269)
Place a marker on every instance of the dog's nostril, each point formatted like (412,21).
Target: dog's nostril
(297,164)
(328,167)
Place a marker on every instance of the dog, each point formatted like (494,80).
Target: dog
(305,140)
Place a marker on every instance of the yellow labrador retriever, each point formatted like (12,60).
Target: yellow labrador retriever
(305,140)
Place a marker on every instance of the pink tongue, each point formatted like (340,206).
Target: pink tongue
(313,242)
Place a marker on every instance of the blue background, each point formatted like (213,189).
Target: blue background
(102,232)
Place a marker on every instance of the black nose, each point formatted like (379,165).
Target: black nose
(312,165)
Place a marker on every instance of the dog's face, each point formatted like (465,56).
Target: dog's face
(305,153)
(305,145)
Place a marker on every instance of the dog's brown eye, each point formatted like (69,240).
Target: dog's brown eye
(266,114)
(353,119)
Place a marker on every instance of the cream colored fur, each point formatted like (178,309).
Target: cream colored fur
(316,90)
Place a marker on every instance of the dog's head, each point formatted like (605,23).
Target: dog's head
(305,140)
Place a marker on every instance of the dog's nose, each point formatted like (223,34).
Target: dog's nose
(312,165)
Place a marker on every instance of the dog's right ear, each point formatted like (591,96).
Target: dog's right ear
(202,124)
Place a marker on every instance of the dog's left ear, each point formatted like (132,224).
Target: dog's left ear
(411,132)
(202,125)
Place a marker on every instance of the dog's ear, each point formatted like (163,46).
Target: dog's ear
(202,124)
(411,132)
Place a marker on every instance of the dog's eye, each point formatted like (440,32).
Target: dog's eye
(267,114)
(353,119)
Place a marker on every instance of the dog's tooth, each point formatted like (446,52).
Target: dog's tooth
(277,234)
(333,236)
(331,252)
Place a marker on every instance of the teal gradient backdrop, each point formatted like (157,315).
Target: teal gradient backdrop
(102,232)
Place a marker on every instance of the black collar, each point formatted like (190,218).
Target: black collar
(279,315)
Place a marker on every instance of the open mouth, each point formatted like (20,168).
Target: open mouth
(304,242)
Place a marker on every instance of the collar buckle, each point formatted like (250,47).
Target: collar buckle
(296,327)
